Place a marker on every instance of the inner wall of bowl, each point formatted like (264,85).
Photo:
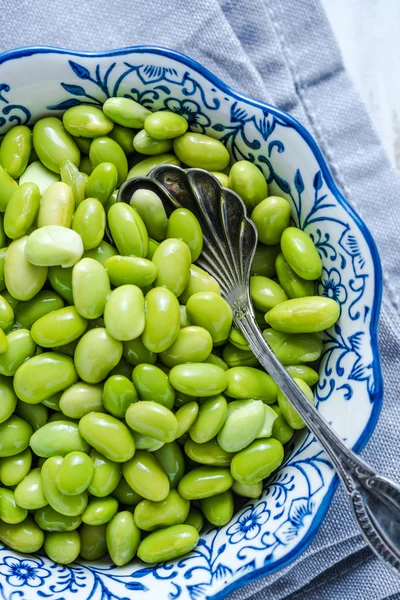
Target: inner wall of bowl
(46,84)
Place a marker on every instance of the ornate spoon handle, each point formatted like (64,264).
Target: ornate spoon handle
(375,500)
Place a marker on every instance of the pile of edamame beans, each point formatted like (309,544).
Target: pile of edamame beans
(131,410)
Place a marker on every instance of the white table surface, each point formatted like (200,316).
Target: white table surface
(368,32)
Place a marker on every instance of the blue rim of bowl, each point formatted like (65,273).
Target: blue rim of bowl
(377,395)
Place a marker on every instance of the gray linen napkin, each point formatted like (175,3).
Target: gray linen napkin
(282,51)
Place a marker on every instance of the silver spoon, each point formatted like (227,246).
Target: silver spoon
(230,240)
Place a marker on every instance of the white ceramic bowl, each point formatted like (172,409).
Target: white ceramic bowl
(269,533)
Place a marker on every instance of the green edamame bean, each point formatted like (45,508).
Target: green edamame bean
(125,494)
(124,313)
(20,347)
(153,385)
(37,173)
(303,372)
(204,482)
(70,506)
(222,178)
(102,182)
(93,541)
(165,125)
(63,547)
(199,281)
(184,321)
(183,225)
(146,442)
(22,537)
(81,399)
(56,206)
(124,136)
(270,417)
(7,188)
(281,430)
(14,468)
(248,181)
(293,348)
(234,357)
(49,519)
(151,209)
(61,281)
(264,260)
(90,222)
(257,461)
(54,245)
(15,150)
(8,399)
(301,254)
(23,280)
(35,414)
(75,473)
(251,490)
(85,166)
(201,151)
(126,112)
(15,434)
(53,144)
(243,423)
(168,544)
(153,419)
(208,310)
(144,144)
(173,510)
(291,283)
(247,382)
(271,217)
(86,121)
(213,359)
(208,453)
(172,259)
(96,354)
(123,538)
(192,344)
(265,293)
(3,342)
(143,167)
(105,149)
(195,518)
(136,353)
(29,492)
(6,314)
(53,402)
(10,512)
(123,270)
(58,438)
(107,435)
(153,245)
(128,230)
(21,210)
(58,327)
(77,181)
(103,252)
(83,144)
(212,416)
(43,303)
(162,320)
(198,379)
(145,476)
(290,414)
(171,459)
(237,339)
(118,394)
(186,416)
(90,288)
(218,510)
(107,475)
(100,511)
(43,375)
(122,368)
(304,315)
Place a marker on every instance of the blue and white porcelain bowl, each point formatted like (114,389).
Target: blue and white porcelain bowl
(267,534)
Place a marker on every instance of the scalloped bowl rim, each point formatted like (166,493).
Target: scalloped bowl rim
(306,135)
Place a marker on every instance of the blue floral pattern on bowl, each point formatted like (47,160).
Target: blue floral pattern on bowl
(268,533)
